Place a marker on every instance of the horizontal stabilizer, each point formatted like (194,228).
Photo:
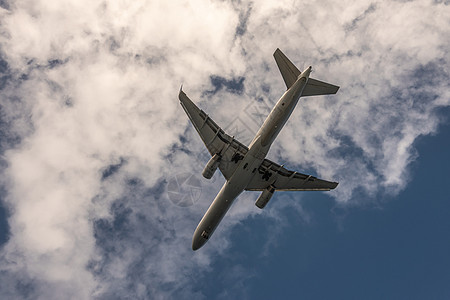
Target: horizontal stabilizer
(315,87)
(288,70)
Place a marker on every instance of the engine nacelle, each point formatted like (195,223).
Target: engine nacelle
(265,196)
(211,166)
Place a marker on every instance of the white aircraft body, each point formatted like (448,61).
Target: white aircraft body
(246,168)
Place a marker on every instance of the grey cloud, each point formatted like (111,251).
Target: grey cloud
(355,21)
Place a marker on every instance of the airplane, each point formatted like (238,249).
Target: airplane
(246,168)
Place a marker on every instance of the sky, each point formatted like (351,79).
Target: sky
(101,186)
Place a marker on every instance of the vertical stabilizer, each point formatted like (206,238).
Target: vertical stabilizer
(288,70)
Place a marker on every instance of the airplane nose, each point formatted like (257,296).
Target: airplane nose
(195,246)
(197,242)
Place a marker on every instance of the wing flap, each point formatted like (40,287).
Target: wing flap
(270,173)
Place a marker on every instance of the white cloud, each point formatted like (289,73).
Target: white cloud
(100,89)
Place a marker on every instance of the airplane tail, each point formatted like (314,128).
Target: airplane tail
(290,74)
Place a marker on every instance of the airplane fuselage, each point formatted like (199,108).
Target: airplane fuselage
(247,167)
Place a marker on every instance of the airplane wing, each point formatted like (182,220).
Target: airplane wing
(214,138)
(270,173)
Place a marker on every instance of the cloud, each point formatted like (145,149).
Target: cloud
(94,133)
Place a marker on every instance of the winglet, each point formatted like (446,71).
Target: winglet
(181,93)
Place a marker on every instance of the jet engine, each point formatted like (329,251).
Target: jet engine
(265,196)
(211,166)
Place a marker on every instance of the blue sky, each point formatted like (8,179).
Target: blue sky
(101,185)
(398,250)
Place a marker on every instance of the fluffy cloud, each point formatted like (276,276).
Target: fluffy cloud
(95,139)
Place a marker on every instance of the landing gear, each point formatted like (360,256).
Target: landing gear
(237,157)
(266,175)
(205,235)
